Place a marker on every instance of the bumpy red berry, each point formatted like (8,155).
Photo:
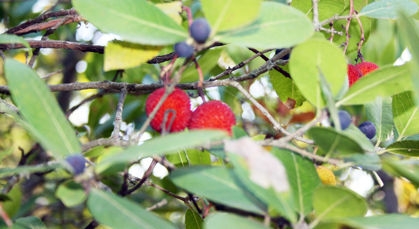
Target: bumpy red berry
(213,115)
(178,101)
(366,67)
(353,74)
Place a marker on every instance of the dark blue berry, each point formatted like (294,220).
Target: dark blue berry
(183,50)
(368,128)
(344,118)
(200,30)
(286,57)
(77,162)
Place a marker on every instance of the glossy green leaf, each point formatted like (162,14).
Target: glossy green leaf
(408,148)
(71,193)
(122,55)
(409,30)
(137,21)
(327,8)
(231,14)
(388,9)
(330,140)
(355,134)
(302,176)
(281,202)
(285,88)
(165,144)
(307,59)
(227,220)
(30,222)
(383,82)
(405,115)
(388,221)
(26,169)
(106,207)
(189,157)
(40,109)
(335,201)
(206,62)
(380,112)
(219,185)
(193,220)
(268,30)
(13,39)
(369,161)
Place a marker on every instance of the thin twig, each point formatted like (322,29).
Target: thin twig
(351,10)
(105,142)
(184,199)
(90,98)
(118,115)
(51,74)
(47,25)
(316,14)
(158,205)
(277,68)
(143,179)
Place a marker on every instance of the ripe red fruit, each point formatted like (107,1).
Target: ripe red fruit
(366,67)
(178,101)
(353,73)
(213,115)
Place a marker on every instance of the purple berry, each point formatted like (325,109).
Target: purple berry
(344,118)
(368,128)
(77,162)
(183,50)
(200,30)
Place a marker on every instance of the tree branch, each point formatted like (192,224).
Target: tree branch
(118,116)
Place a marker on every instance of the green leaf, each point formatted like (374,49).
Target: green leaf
(380,112)
(13,39)
(71,193)
(285,88)
(281,202)
(207,62)
(335,201)
(410,32)
(268,30)
(388,9)
(106,207)
(330,140)
(219,185)
(30,222)
(307,58)
(405,114)
(137,21)
(402,169)
(327,8)
(5,172)
(329,99)
(122,55)
(408,148)
(189,157)
(40,109)
(355,134)
(163,145)
(383,82)
(388,221)
(302,176)
(193,220)
(231,14)
(227,220)
(368,161)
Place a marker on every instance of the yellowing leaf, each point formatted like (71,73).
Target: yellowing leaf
(172,9)
(122,55)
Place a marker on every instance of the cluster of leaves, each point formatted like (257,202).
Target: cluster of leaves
(235,177)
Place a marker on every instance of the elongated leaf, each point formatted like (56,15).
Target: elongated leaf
(281,202)
(118,212)
(30,222)
(268,30)
(380,112)
(5,172)
(410,31)
(226,15)
(329,99)
(407,148)
(368,161)
(137,21)
(355,134)
(166,144)
(334,202)
(231,221)
(13,39)
(193,220)
(383,82)
(329,140)
(307,58)
(219,185)
(405,114)
(327,8)
(39,108)
(303,179)
(388,221)
(388,9)
(122,55)
(402,169)
(285,88)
